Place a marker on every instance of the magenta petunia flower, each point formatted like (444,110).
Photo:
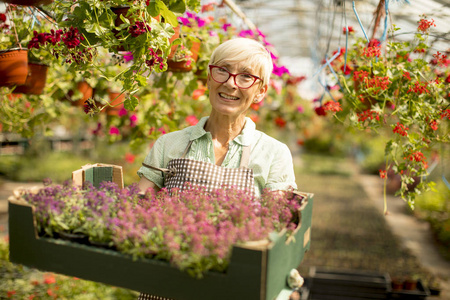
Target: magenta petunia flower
(185,21)
(128,56)
(114,130)
(200,22)
(122,112)
(225,26)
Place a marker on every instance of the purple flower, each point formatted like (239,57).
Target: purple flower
(225,26)
(279,71)
(200,22)
(184,21)
(114,130)
(128,56)
(246,33)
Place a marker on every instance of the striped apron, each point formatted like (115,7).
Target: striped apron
(180,171)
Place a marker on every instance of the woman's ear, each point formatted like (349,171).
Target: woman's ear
(261,94)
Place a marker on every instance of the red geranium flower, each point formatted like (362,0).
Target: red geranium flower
(350,29)
(320,111)
(280,122)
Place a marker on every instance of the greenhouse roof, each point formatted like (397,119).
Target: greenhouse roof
(304,32)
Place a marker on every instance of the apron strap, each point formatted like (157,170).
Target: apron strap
(245,158)
(170,172)
(187,149)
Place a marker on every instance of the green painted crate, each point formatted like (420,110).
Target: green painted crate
(256,271)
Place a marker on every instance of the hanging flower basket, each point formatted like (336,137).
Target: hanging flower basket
(29,2)
(115,98)
(13,67)
(86,90)
(184,65)
(35,82)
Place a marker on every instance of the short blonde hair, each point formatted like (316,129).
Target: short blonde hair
(245,50)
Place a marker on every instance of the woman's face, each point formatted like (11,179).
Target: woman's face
(230,100)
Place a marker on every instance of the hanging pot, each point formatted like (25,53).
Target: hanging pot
(183,66)
(28,2)
(13,67)
(35,83)
(115,98)
(87,92)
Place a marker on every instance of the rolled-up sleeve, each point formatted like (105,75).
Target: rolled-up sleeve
(154,158)
(281,173)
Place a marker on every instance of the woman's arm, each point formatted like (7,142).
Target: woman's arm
(144,184)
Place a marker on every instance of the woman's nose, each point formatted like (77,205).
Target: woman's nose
(231,81)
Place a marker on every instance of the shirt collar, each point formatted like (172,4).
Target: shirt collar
(245,138)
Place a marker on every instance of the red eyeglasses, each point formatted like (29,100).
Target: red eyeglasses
(242,80)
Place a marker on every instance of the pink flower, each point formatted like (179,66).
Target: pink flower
(225,26)
(162,130)
(114,130)
(276,85)
(191,120)
(184,21)
(122,112)
(133,120)
(128,56)
(280,70)
(246,33)
(129,157)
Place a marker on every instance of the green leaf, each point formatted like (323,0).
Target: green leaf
(153,9)
(178,7)
(131,103)
(142,80)
(167,14)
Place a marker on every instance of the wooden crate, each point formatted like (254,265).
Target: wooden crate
(256,271)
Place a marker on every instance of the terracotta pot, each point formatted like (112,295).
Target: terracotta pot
(115,98)
(28,2)
(35,83)
(410,284)
(86,90)
(173,38)
(397,284)
(13,67)
(180,66)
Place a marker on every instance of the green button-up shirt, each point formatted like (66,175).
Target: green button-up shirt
(270,159)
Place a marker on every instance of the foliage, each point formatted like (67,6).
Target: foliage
(434,207)
(168,100)
(12,35)
(192,229)
(397,90)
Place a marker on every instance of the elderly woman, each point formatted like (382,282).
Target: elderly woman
(225,148)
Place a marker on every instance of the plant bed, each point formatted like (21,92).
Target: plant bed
(420,291)
(256,270)
(332,284)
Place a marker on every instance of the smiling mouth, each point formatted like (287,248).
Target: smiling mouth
(228,97)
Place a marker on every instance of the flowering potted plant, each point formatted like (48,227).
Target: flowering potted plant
(13,52)
(85,26)
(400,89)
(193,229)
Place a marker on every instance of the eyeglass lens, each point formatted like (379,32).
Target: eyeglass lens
(242,80)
